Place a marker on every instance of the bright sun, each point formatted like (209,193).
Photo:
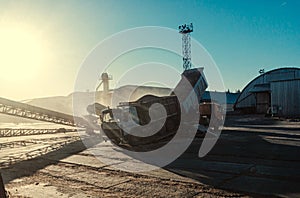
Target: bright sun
(20,53)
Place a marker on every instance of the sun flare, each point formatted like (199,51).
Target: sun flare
(20,53)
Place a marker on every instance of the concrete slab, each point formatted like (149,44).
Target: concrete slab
(284,173)
(59,170)
(80,160)
(264,186)
(203,177)
(198,165)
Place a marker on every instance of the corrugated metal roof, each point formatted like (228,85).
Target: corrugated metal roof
(260,88)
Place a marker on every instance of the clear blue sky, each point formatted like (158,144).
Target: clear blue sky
(242,36)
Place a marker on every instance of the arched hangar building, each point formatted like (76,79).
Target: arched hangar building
(276,91)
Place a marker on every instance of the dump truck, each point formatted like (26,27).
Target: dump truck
(138,111)
(209,110)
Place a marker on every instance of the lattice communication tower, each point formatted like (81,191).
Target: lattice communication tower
(185,30)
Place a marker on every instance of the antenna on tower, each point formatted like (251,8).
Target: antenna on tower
(185,30)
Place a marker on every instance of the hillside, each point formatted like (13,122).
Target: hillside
(64,104)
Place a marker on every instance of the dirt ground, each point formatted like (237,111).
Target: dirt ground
(254,157)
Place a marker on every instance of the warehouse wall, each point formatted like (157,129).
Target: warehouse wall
(286,96)
(247,100)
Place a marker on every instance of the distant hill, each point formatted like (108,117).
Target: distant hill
(64,104)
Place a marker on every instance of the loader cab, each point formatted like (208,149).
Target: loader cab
(122,113)
(106,115)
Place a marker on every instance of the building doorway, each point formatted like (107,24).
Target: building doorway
(263,102)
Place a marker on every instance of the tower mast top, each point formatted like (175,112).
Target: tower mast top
(185,30)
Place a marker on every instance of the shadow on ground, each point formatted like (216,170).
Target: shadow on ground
(259,161)
(31,166)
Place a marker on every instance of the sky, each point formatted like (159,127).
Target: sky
(43,43)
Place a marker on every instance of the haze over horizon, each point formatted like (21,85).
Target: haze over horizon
(44,43)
